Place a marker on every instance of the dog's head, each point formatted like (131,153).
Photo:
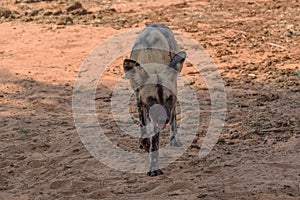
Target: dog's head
(157,91)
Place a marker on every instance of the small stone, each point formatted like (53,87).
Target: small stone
(234,135)
(65,20)
(34,13)
(268,63)
(76,5)
(252,76)
(69,22)
(4,12)
(243,105)
(48,13)
(202,195)
(195,146)
(58,12)
(290,83)
(253,68)
(221,141)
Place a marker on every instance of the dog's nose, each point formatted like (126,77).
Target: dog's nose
(161,120)
(158,114)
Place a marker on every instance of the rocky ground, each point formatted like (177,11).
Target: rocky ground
(255,45)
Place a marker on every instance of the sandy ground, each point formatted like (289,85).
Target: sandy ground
(255,45)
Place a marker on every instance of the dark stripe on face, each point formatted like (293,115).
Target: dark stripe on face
(160,91)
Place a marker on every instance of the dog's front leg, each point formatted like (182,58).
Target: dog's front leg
(144,141)
(154,153)
(174,139)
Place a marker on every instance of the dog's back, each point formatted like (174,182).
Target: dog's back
(155,44)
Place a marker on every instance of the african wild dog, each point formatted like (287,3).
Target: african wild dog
(152,69)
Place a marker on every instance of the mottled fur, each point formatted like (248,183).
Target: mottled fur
(152,69)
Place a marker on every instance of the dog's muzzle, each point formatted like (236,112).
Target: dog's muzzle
(158,115)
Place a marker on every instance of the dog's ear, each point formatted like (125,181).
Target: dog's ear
(177,61)
(135,73)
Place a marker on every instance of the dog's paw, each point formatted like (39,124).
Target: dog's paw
(141,146)
(175,142)
(155,173)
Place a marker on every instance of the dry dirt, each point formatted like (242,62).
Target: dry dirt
(255,45)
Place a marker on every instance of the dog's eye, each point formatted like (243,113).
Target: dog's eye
(170,98)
